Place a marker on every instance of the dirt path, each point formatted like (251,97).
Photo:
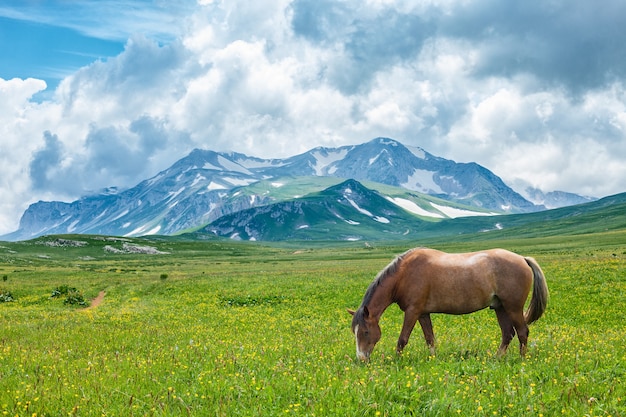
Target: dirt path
(98,300)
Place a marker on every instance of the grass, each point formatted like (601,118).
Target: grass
(245,329)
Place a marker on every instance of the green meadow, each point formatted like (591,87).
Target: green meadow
(226,329)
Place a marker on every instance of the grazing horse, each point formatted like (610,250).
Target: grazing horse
(423,281)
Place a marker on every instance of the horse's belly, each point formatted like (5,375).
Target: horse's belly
(464,303)
(457,310)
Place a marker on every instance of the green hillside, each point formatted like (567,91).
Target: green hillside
(351,211)
(347,211)
(607,214)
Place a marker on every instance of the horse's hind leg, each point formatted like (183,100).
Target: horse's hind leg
(508,330)
(429,335)
(522,331)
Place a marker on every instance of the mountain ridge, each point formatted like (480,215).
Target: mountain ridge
(206,185)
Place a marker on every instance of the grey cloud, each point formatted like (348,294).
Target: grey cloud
(125,155)
(319,20)
(113,156)
(390,36)
(371,41)
(388,39)
(575,44)
(111,153)
(151,132)
(45,161)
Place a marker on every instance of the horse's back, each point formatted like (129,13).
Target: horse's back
(465,282)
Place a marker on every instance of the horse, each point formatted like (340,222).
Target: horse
(424,281)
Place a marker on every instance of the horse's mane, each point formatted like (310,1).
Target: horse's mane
(382,275)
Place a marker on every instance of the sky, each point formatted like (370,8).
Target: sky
(106,93)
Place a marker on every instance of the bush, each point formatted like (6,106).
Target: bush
(72,295)
(75,298)
(6,296)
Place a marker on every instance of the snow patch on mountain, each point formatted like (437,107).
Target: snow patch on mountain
(215,186)
(380,155)
(154,231)
(120,215)
(387,142)
(209,166)
(174,194)
(236,182)
(229,165)
(423,181)
(411,207)
(453,212)
(254,163)
(325,158)
(198,179)
(359,209)
(138,231)
(72,226)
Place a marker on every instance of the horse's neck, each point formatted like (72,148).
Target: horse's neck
(382,297)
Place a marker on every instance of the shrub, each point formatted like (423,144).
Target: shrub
(62,290)
(6,296)
(163,276)
(75,298)
(72,295)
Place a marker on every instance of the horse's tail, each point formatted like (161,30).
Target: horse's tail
(539,299)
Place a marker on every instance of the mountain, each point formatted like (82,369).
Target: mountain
(554,199)
(206,185)
(346,211)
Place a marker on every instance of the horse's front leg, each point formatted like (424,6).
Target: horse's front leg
(429,335)
(410,318)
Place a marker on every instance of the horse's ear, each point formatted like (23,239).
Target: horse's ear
(366,312)
(352,312)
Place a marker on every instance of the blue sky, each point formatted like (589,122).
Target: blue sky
(110,92)
(48,52)
(51,39)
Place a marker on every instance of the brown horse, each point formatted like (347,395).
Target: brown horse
(423,281)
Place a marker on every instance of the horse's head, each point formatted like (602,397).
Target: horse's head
(366,332)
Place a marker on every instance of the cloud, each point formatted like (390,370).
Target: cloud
(45,162)
(365,42)
(531,90)
(572,44)
(109,156)
(144,75)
